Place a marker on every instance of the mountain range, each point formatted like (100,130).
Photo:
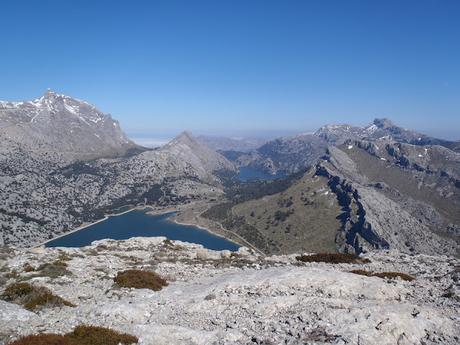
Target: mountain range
(356,189)
(292,154)
(63,163)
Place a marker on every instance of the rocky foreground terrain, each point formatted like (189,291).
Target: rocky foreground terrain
(236,298)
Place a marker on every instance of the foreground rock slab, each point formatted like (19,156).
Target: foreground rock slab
(237,298)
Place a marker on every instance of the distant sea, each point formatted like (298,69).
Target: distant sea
(151,141)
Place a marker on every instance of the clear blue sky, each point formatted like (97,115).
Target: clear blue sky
(240,66)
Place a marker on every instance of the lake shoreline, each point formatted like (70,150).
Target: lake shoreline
(87,225)
(152,211)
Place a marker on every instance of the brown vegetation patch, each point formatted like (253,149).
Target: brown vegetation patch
(384,275)
(82,335)
(43,339)
(32,297)
(140,279)
(333,258)
(91,335)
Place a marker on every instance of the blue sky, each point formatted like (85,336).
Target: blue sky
(240,67)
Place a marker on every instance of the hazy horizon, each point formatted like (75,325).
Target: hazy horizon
(158,138)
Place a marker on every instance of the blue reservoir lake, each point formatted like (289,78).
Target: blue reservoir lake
(138,223)
(247,174)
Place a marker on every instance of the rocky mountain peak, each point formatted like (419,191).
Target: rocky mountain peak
(60,123)
(196,151)
(383,123)
(186,137)
(49,94)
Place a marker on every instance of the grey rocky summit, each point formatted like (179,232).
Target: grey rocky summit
(194,150)
(69,127)
(381,128)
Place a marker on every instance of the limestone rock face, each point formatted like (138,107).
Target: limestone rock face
(72,128)
(395,195)
(243,298)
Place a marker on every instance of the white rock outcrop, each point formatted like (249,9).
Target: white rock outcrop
(240,298)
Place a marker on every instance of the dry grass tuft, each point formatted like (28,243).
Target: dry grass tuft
(82,335)
(140,279)
(43,339)
(385,275)
(333,258)
(32,297)
(91,335)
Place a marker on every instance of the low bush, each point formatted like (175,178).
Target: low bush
(384,275)
(91,335)
(32,297)
(140,279)
(43,339)
(81,335)
(333,258)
